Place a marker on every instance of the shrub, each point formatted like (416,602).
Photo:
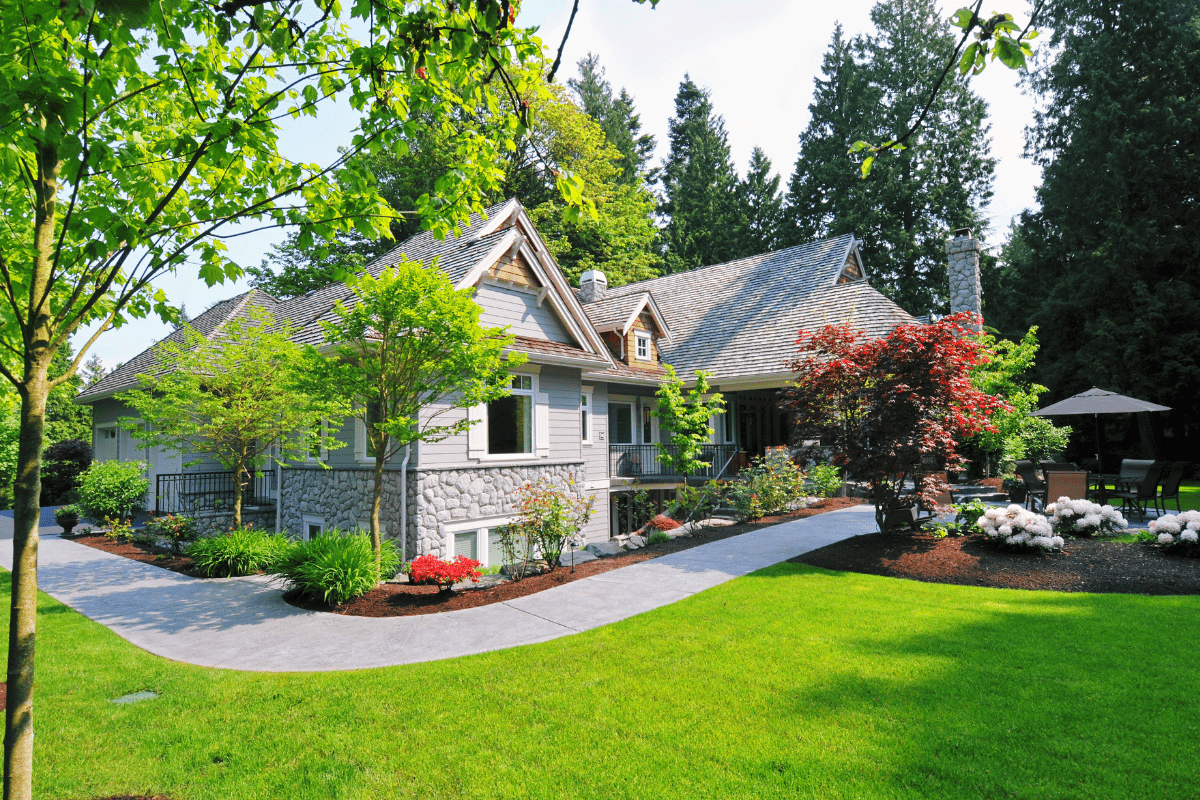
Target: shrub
(826,479)
(1083,518)
(119,529)
(62,464)
(1176,533)
(549,518)
(770,485)
(698,502)
(967,517)
(113,489)
(243,551)
(662,523)
(657,537)
(1016,527)
(431,570)
(177,530)
(335,568)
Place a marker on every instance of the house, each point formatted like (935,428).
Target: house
(580,408)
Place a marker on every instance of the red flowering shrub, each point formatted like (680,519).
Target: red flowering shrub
(433,570)
(662,523)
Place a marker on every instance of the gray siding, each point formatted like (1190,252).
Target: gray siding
(519,310)
(451,451)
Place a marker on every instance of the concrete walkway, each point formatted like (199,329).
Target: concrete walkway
(243,623)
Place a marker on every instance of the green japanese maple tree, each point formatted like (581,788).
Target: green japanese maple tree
(684,418)
(408,353)
(236,395)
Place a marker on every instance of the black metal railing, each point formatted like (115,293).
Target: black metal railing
(192,492)
(646,460)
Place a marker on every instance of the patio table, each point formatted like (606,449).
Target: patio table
(1098,485)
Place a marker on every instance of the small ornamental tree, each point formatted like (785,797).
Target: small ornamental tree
(891,409)
(408,353)
(235,394)
(685,420)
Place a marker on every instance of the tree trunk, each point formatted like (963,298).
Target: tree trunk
(376,502)
(18,730)
(238,470)
(27,489)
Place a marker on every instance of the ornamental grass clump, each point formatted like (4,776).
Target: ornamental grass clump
(1019,528)
(1084,518)
(1178,534)
(336,567)
(431,570)
(242,551)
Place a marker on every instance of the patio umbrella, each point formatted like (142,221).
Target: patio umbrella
(1096,401)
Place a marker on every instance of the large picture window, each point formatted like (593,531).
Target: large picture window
(510,419)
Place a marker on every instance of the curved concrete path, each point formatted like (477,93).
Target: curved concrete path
(243,623)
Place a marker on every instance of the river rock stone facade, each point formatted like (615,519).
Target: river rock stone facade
(341,498)
(966,294)
(445,496)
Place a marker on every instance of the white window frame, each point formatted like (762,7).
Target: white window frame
(483,529)
(534,443)
(306,521)
(587,414)
(360,442)
(640,339)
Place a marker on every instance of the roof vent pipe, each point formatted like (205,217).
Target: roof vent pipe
(592,286)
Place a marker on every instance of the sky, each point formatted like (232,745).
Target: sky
(757,57)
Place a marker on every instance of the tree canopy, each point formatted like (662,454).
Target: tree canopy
(871,87)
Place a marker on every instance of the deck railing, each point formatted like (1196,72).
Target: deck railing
(645,461)
(193,492)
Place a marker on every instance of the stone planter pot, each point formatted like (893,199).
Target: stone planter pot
(1018,495)
(67,522)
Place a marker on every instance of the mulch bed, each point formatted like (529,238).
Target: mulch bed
(1083,566)
(402,600)
(157,556)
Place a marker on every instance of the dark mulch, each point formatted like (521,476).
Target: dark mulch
(157,556)
(1083,566)
(402,600)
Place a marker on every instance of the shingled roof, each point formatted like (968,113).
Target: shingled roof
(740,319)
(456,256)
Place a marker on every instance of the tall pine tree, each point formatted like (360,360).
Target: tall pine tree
(621,124)
(1109,266)
(699,186)
(872,87)
(760,207)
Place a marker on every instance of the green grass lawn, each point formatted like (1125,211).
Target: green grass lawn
(791,682)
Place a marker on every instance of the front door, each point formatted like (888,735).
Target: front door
(620,423)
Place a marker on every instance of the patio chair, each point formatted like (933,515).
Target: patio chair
(1132,472)
(1144,493)
(1170,485)
(1066,483)
(1034,484)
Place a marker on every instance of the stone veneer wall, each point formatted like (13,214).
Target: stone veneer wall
(449,495)
(340,497)
(211,523)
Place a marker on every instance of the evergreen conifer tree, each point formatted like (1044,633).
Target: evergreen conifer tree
(616,116)
(1109,266)
(872,87)
(760,207)
(699,185)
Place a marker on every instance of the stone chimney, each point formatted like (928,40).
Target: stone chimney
(592,286)
(966,293)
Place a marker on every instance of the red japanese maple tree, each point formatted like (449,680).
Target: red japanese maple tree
(892,408)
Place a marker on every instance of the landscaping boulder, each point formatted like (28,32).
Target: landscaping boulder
(636,542)
(581,557)
(603,549)
(532,568)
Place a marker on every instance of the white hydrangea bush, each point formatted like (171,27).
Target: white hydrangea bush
(1084,518)
(1177,531)
(1018,527)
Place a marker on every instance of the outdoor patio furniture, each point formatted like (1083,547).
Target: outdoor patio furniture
(1064,483)
(1170,485)
(1098,486)
(1032,477)
(1143,493)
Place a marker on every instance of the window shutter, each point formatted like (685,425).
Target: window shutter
(477,433)
(541,425)
(360,440)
